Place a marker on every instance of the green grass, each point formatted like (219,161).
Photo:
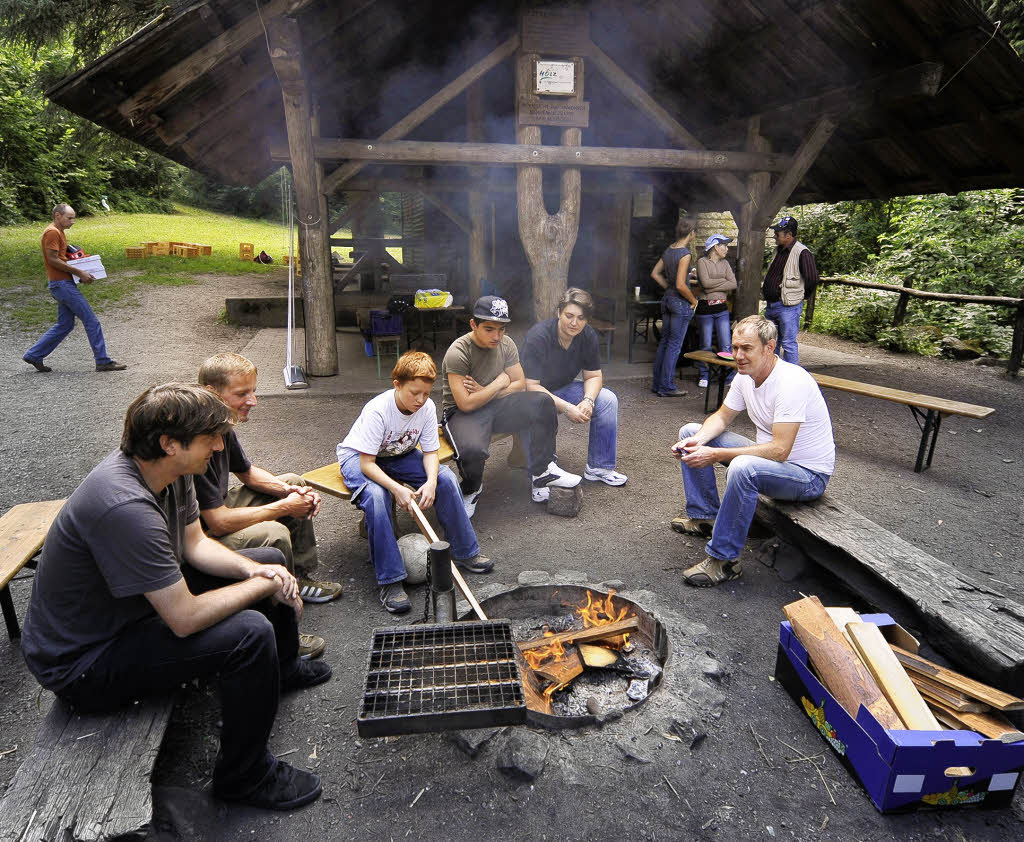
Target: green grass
(23,280)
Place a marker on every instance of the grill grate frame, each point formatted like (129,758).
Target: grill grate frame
(441,677)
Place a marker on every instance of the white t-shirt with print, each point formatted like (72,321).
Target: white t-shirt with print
(383,430)
(788,394)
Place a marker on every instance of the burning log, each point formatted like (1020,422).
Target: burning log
(604,632)
(562,669)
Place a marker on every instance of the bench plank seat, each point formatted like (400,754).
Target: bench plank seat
(972,624)
(22,531)
(928,410)
(88,776)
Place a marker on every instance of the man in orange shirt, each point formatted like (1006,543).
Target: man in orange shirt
(69,298)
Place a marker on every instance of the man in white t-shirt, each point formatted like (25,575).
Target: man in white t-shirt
(792,459)
(379,454)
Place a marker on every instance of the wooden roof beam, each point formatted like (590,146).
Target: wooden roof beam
(418,115)
(802,162)
(718,162)
(462,184)
(173,81)
(459,219)
(668,124)
(919,80)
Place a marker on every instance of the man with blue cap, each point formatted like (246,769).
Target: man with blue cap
(791,277)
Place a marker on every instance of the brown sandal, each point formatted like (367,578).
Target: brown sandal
(700,527)
(711,572)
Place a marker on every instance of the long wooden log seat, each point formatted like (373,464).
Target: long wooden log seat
(928,411)
(972,624)
(22,531)
(87,776)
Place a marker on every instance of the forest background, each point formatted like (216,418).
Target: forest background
(970,242)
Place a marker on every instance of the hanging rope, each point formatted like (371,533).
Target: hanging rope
(972,58)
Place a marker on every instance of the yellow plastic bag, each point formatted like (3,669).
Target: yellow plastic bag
(433,299)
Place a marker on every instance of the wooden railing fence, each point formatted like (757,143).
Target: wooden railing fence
(907,291)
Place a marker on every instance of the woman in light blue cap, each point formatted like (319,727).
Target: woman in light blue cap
(716,280)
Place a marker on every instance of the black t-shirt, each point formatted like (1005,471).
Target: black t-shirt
(114,541)
(544,359)
(212,487)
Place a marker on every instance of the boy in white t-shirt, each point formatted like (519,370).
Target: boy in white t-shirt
(379,454)
(792,459)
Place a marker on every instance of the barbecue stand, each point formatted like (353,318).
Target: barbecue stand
(446,676)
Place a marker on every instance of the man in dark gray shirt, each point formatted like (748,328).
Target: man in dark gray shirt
(132,599)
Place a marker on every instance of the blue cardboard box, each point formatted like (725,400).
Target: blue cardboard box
(901,770)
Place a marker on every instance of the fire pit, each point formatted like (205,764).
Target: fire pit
(573,684)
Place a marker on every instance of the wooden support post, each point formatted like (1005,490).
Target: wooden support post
(802,161)
(285,44)
(1017,349)
(901,306)
(548,239)
(477,219)
(622,214)
(751,238)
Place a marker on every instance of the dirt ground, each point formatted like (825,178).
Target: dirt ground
(966,510)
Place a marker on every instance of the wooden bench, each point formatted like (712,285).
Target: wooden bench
(927,410)
(970,623)
(22,531)
(87,776)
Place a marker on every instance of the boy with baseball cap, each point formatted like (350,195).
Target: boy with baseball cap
(484,392)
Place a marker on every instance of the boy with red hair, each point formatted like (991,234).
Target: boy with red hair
(379,454)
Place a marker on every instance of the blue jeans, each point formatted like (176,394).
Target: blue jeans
(787,320)
(70,303)
(676,313)
(375,502)
(717,325)
(746,477)
(604,424)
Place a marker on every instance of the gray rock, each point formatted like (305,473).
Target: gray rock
(609,584)
(534,577)
(791,562)
(470,742)
(713,669)
(565,502)
(637,690)
(523,755)
(632,752)
(961,349)
(184,815)
(572,577)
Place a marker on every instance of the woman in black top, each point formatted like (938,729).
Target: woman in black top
(677,306)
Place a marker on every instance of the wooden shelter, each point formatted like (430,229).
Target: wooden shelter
(527,139)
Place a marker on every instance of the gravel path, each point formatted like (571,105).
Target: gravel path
(966,510)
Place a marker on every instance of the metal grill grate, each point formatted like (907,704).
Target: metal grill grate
(441,677)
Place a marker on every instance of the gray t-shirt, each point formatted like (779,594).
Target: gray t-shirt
(464,356)
(114,541)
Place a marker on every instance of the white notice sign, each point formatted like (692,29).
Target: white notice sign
(556,77)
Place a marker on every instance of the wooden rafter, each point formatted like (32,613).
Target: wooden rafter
(435,152)
(668,124)
(173,81)
(459,219)
(802,161)
(415,117)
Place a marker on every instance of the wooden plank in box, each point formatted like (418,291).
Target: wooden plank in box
(900,770)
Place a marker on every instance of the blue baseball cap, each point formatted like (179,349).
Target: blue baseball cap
(786,223)
(715,239)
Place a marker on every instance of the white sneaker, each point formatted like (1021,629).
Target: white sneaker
(553,477)
(702,383)
(609,476)
(469,501)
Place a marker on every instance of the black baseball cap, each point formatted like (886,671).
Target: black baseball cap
(786,223)
(491,308)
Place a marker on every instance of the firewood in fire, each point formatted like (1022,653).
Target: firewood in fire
(597,657)
(583,635)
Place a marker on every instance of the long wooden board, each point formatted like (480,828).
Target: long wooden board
(841,670)
(976,626)
(950,698)
(991,724)
(583,635)
(891,677)
(954,680)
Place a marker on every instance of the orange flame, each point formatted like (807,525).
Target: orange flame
(536,657)
(600,612)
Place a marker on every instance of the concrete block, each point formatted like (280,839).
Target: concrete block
(565,502)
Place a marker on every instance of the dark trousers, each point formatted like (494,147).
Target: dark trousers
(246,652)
(469,433)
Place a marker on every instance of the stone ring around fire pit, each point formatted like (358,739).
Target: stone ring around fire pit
(599,682)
